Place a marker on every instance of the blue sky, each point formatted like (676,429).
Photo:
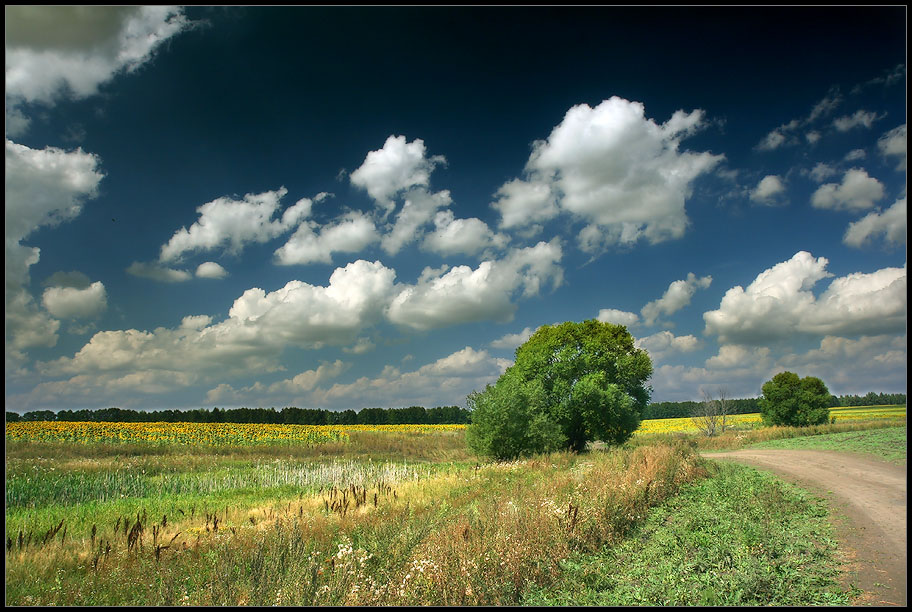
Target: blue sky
(351,207)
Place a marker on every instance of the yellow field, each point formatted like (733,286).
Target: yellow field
(209,434)
(244,434)
(686,424)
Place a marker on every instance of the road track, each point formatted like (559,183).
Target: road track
(867,498)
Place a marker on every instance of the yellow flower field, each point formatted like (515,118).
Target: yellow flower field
(686,424)
(245,434)
(208,434)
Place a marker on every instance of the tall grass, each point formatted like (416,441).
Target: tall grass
(464,536)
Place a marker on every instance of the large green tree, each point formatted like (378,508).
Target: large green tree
(792,401)
(570,384)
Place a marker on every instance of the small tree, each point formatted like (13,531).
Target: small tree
(711,414)
(788,400)
(570,384)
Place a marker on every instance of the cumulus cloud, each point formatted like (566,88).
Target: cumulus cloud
(893,145)
(53,52)
(861,118)
(786,134)
(446,381)
(462,294)
(44,187)
(419,208)
(857,191)
(513,341)
(210,269)
(616,170)
(157,272)
(258,327)
(453,236)
(737,356)
(853,366)
(230,223)
(822,172)
(891,224)
(523,203)
(768,191)
(310,243)
(779,303)
(76,303)
(396,167)
(288,391)
(676,297)
(618,317)
(665,343)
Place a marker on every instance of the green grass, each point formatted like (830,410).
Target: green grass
(649,524)
(888,443)
(738,538)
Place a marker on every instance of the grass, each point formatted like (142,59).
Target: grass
(887,443)
(715,544)
(408,518)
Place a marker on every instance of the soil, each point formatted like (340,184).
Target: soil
(867,498)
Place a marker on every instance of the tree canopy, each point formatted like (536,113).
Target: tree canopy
(788,400)
(570,384)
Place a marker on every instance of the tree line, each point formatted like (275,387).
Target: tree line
(413,415)
(670,410)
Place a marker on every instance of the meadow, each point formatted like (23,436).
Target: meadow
(197,514)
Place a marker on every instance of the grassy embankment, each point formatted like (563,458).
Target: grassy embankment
(403,518)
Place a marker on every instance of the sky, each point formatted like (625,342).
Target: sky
(350,207)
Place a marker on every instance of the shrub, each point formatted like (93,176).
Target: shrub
(788,400)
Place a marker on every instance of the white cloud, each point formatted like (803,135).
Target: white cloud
(285,392)
(768,190)
(620,172)
(618,317)
(854,366)
(446,381)
(156,272)
(779,304)
(773,140)
(452,236)
(676,297)
(784,135)
(855,155)
(259,326)
(856,192)
(210,269)
(75,303)
(44,187)
(523,203)
(69,51)
(312,316)
(665,343)
(822,172)
(893,144)
(513,341)
(737,356)
(419,208)
(861,118)
(351,233)
(461,294)
(398,166)
(225,222)
(891,224)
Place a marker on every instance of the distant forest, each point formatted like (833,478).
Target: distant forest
(414,415)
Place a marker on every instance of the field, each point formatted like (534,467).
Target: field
(143,514)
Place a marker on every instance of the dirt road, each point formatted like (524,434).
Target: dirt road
(868,502)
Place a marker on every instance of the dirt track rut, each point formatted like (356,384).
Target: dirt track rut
(868,498)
